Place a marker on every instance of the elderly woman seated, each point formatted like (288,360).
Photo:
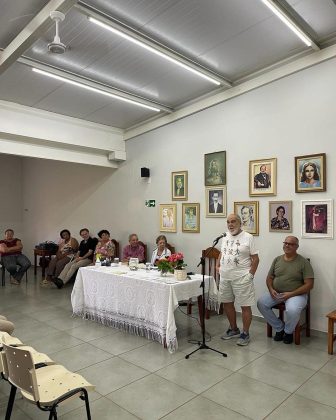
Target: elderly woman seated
(67,248)
(105,247)
(133,249)
(161,251)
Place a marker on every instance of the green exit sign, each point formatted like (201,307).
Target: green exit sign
(150,203)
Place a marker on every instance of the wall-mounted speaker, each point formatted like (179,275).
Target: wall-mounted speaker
(145,173)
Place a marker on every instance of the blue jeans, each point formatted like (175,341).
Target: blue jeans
(294,307)
(11,262)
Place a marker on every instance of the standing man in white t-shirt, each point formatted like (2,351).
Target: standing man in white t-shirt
(237,264)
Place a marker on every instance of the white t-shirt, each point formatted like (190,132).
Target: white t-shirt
(236,255)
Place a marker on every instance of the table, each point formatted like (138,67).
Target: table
(140,302)
(42,253)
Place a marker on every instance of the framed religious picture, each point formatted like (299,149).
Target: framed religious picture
(249,214)
(310,173)
(280,216)
(179,185)
(215,169)
(168,218)
(317,219)
(190,217)
(263,177)
(215,201)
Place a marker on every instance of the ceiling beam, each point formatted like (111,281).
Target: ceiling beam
(31,32)
(151,43)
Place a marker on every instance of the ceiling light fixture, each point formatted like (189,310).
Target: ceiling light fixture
(152,49)
(286,20)
(93,89)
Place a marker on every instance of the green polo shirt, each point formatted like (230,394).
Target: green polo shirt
(290,275)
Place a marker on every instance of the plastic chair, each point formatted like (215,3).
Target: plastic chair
(3,274)
(46,386)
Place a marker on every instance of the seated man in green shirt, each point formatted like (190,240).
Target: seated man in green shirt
(289,280)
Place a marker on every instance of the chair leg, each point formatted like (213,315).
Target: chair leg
(269,330)
(330,336)
(308,321)
(297,334)
(10,402)
(87,405)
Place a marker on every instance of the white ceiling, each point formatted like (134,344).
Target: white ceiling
(233,39)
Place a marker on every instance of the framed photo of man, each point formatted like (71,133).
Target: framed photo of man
(191,217)
(215,169)
(168,218)
(280,216)
(180,185)
(310,173)
(263,177)
(249,214)
(215,201)
(317,219)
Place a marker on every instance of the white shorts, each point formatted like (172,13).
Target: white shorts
(240,291)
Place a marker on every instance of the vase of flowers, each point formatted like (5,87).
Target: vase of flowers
(165,267)
(179,265)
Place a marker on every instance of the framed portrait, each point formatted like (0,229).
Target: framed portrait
(310,173)
(215,169)
(263,177)
(317,219)
(249,214)
(179,185)
(190,217)
(168,218)
(215,198)
(280,216)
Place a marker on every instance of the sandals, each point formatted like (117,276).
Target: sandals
(45,282)
(14,281)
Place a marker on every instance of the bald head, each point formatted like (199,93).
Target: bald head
(234,224)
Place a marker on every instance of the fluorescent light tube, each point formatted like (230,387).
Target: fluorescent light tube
(153,50)
(285,19)
(92,89)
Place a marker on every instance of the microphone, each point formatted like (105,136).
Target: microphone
(218,238)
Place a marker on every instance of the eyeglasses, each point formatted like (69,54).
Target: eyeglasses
(289,243)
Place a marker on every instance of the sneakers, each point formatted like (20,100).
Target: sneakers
(230,333)
(14,281)
(279,335)
(288,338)
(243,339)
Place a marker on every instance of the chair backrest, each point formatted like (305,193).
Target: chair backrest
(116,244)
(20,370)
(211,255)
(171,248)
(145,250)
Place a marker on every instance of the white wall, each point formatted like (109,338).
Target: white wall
(11,194)
(291,117)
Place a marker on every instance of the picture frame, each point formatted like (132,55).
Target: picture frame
(310,173)
(167,217)
(317,219)
(263,177)
(191,217)
(215,169)
(249,214)
(179,182)
(216,201)
(280,216)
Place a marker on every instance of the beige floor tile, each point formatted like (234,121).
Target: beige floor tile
(120,342)
(246,396)
(321,388)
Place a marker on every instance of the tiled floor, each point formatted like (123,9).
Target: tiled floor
(138,379)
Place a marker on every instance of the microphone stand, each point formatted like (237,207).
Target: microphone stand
(201,344)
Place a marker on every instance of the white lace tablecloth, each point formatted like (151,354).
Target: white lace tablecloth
(139,302)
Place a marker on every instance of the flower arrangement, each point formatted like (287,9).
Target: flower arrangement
(176,260)
(165,266)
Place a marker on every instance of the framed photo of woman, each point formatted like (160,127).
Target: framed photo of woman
(191,217)
(317,219)
(168,218)
(180,185)
(310,173)
(249,214)
(215,201)
(263,177)
(215,169)
(280,216)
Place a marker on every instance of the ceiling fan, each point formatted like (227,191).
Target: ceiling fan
(56,46)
